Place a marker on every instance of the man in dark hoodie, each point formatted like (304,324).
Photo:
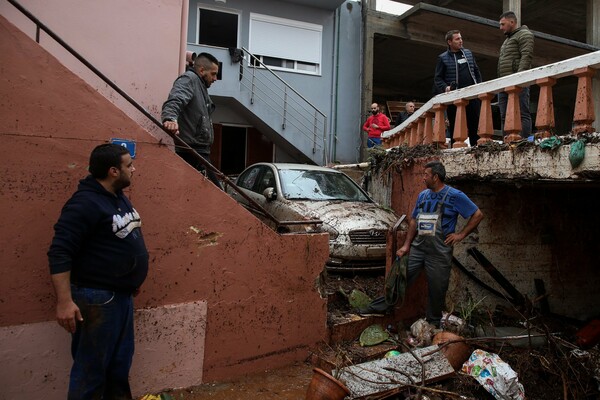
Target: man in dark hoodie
(456,69)
(516,55)
(98,261)
(187,111)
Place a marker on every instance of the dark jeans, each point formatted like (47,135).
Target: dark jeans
(372,142)
(102,346)
(193,161)
(525,113)
(433,256)
(473,109)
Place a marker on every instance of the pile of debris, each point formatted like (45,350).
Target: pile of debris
(505,353)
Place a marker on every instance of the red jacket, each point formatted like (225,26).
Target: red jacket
(381,121)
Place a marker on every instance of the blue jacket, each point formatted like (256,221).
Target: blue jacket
(446,71)
(98,238)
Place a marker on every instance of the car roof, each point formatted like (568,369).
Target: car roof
(309,167)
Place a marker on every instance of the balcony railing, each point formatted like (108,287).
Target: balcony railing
(427,125)
(296,114)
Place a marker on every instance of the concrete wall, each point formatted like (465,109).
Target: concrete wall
(333,91)
(136,44)
(225,295)
(533,228)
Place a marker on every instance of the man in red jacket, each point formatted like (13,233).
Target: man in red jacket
(376,124)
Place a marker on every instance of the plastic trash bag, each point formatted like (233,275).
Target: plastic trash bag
(577,153)
(358,299)
(373,335)
(395,283)
(551,143)
(496,376)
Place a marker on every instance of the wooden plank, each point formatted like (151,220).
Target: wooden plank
(392,374)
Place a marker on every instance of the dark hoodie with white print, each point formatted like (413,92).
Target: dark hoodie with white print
(98,237)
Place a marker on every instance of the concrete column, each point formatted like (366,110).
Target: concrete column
(428,133)
(421,130)
(512,120)
(593,37)
(486,124)
(514,6)
(460,133)
(584,109)
(544,121)
(367,76)
(439,125)
(593,22)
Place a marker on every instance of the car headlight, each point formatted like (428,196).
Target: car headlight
(333,234)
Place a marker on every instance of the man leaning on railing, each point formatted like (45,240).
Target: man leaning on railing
(516,54)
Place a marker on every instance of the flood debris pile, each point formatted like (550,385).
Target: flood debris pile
(403,156)
(400,157)
(510,352)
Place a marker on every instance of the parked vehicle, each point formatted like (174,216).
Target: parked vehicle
(357,226)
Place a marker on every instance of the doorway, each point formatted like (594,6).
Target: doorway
(233,149)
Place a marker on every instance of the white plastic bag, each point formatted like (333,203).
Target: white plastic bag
(496,376)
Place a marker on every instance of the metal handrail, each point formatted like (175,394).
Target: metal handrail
(310,124)
(176,139)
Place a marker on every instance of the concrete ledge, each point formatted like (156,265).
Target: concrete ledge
(169,353)
(528,163)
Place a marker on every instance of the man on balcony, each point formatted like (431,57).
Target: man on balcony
(404,115)
(375,125)
(456,69)
(516,54)
(187,111)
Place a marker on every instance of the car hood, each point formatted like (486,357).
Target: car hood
(346,215)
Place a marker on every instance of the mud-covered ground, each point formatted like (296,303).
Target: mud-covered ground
(554,370)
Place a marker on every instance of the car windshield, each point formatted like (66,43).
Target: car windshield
(297,184)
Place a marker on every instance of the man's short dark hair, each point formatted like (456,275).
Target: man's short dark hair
(509,15)
(205,60)
(104,157)
(451,33)
(437,168)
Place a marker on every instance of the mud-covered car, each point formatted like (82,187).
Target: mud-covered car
(357,226)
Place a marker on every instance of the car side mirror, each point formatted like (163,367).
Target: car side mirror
(270,194)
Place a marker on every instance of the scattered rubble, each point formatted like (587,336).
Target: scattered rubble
(540,348)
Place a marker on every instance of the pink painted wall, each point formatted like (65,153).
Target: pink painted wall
(135,43)
(262,307)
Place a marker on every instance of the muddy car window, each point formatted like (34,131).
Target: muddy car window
(248,179)
(267,180)
(319,185)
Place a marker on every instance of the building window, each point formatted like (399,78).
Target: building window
(279,63)
(286,44)
(217,28)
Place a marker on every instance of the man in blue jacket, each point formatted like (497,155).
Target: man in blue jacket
(98,261)
(188,109)
(456,69)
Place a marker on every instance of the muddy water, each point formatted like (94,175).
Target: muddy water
(282,384)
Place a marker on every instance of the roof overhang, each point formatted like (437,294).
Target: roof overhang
(324,4)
